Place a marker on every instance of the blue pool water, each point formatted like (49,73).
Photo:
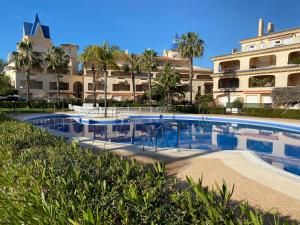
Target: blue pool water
(279,147)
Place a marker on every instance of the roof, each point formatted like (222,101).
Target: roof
(31,28)
(273,34)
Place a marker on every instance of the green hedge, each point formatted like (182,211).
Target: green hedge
(274,113)
(44,180)
(23,104)
(195,110)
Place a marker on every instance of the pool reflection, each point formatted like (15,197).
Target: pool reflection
(265,141)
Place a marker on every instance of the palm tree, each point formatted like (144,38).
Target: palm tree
(108,56)
(2,66)
(132,66)
(25,60)
(149,64)
(190,46)
(58,62)
(167,81)
(91,59)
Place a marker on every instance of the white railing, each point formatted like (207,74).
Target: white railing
(87,109)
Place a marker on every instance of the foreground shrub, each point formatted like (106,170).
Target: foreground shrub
(44,180)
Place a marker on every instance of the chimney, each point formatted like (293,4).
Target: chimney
(270,28)
(261,27)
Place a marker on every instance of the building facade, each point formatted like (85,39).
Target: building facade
(263,63)
(119,83)
(43,82)
(79,84)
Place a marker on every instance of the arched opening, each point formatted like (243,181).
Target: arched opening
(293,79)
(78,89)
(262,81)
(228,83)
(294,58)
(229,66)
(262,61)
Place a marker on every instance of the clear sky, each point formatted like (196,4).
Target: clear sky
(139,24)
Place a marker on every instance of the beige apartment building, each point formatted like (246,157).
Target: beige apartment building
(263,63)
(79,84)
(119,83)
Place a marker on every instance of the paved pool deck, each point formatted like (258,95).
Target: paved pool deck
(261,184)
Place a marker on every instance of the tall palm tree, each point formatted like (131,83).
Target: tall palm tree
(108,56)
(191,46)
(91,59)
(132,66)
(25,59)
(149,64)
(167,80)
(58,62)
(2,66)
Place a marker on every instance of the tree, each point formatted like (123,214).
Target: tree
(91,60)
(132,66)
(166,82)
(58,62)
(108,56)
(191,46)
(2,66)
(6,87)
(287,96)
(25,59)
(149,64)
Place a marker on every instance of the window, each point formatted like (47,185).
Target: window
(120,74)
(142,87)
(33,84)
(62,86)
(99,86)
(199,89)
(121,87)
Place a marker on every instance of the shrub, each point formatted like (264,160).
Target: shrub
(185,109)
(236,104)
(274,113)
(44,180)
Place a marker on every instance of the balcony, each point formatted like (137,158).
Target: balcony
(262,81)
(262,62)
(294,58)
(293,79)
(228,83)
(229,67)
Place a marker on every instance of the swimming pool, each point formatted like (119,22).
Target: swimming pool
(276,144)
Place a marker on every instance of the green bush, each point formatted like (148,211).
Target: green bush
(23,104)
(274,113)
(185,109)
(44,180)
(236,104)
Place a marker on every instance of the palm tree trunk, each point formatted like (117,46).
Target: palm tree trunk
(28,88)
(150,87)
(94,86)
(168,100)
(191,81)
(105,94)
(133,85)
(57,89)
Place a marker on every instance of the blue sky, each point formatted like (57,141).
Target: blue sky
(139,24)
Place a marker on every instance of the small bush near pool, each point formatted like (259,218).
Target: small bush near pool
(44,180)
